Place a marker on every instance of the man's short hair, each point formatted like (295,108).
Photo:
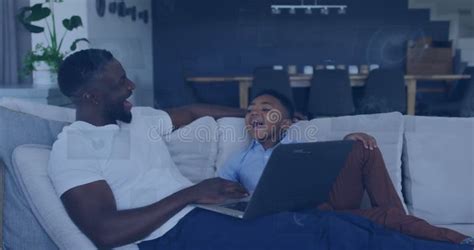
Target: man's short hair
(285,102)
(81,67)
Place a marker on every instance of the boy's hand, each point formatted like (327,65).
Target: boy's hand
(368,141)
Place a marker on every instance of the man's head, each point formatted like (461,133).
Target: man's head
(97,82)
(268,116)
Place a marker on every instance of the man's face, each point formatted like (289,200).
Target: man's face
(266,118)
(114,88)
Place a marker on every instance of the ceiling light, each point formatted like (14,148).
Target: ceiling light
(342,11)
(325,11)
(308,8)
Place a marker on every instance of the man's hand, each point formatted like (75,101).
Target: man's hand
(217,190)
(368,141)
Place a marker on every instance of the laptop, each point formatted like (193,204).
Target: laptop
(297,176)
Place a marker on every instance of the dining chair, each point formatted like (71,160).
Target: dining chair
(384,92)
(266,78)
(460,100)
(330,94)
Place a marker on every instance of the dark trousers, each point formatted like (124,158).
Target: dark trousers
(365,170)
(313,230)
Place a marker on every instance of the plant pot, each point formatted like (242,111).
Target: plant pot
(44,76)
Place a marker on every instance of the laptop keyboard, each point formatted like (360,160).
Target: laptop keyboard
(239,206)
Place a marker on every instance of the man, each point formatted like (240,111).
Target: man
(268,117)
(119,185)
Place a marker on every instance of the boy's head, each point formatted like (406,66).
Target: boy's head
(268,116)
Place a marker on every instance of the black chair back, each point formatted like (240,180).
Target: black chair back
(460,87)
(384,92)
(330,94)
(460,101)
(266,78)
(467,101)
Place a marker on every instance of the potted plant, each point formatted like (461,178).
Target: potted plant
(44,59)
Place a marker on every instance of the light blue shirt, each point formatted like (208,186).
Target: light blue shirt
(247,166)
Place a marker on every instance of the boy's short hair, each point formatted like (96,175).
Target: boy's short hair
(285,102)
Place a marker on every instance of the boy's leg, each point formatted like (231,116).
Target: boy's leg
(397,219)
(365,170)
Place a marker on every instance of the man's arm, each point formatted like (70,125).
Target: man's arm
(182,116)
(93,209)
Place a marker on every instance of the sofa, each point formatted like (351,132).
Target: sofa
(430,161)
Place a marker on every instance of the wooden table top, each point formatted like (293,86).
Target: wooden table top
(308,77)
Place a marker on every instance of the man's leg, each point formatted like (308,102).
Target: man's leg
(365,170)
(202,229)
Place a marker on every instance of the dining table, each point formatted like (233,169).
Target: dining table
(304,81)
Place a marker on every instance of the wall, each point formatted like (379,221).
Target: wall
(23,38)
(460,13)
(131,44)
(63,10)
(211,37)
(462,8)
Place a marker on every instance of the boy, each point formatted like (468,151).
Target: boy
(268,117)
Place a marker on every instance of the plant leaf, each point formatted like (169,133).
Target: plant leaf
(21,14)
(34,13)
(72,23)
(33,28)
(74,44)
(67,24)
(37,12)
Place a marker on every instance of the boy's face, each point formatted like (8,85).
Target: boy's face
(267,119)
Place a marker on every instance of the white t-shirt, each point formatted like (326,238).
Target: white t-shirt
(132,158)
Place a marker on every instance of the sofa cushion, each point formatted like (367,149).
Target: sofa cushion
(232,138)
(45,111)
(30,166)
(439,169)
(21,229)
(193,148)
